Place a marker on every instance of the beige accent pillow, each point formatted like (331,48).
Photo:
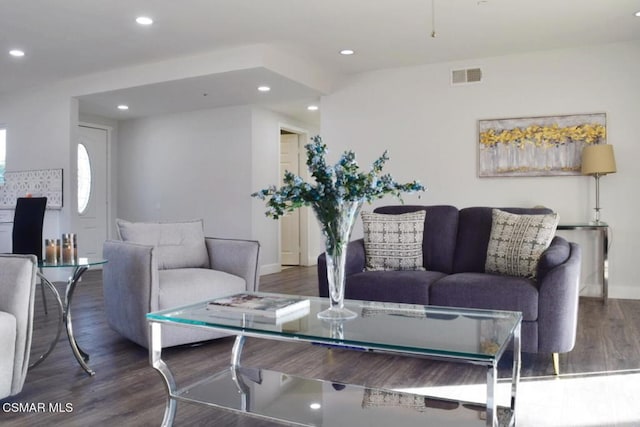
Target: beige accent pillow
(393,242)
(517,241)
(179,244)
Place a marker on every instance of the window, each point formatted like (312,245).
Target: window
(3,153)
(84,178)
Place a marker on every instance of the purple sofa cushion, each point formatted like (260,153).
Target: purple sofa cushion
(404,286)
(474,231)
(487,291)
(440,231)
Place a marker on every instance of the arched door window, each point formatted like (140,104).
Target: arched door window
(84,178)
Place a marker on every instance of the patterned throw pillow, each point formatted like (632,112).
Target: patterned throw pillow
(393,242)
(517,241)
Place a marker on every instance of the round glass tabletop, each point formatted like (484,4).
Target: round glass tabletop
(80,262)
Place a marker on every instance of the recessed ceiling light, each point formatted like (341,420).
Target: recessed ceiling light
(144,20)
(16,52)
(347,52)
(315,406)
(264,88)
(638,13)
(312,108)
(123,107)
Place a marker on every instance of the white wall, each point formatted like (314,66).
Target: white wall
(188,166)
(36,140)
(430,129)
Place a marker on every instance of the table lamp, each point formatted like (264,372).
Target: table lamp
(598,160)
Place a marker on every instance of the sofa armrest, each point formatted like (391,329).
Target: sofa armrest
(556,254)
(131,274)
(558,293)
(354,264)
(237,257)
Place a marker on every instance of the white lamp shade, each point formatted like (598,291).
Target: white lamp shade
(598,159)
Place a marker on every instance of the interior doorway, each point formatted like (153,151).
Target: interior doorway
(290,223)
(295,235)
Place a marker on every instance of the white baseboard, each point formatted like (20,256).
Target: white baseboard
(624,292)
(590,290)
(618,292)
(270,269)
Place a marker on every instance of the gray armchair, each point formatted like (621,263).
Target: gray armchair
(157,266)
(17,285)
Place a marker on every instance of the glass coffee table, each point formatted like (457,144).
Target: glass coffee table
(479,337)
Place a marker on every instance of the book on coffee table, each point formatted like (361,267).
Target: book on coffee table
(272,306)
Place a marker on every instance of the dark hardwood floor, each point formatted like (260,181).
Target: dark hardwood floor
(126,391)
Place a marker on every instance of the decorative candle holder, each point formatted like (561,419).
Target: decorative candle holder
(74,242)
(67,248)
(51,251)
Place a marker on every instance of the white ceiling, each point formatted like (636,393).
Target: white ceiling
(211,91)
(63,39)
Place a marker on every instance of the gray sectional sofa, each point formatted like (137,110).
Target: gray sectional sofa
(454,253)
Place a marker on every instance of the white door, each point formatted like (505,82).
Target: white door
(290,223)
(92,191)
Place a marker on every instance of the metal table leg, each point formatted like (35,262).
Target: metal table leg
(54,291)
(243,389)
(155,336)
(605,264)
(81,356)
(64,311)
(492,382)
(517,363)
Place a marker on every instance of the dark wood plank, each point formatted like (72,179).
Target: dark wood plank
(127,391)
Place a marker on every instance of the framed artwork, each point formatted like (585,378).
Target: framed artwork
(537,146)
(43,182)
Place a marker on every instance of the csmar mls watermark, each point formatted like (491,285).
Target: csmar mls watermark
(37,407)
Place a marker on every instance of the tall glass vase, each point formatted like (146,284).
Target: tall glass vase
(337,223)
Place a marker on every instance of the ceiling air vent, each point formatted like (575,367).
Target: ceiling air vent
(469,75)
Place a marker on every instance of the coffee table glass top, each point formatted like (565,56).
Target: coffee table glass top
(428,330)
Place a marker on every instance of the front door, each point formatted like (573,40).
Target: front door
(92,191)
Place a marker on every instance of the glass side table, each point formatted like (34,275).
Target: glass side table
(603,229)
(64,306)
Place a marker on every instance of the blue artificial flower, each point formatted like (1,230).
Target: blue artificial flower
(333,186)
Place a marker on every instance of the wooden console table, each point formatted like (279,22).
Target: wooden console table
(603,229)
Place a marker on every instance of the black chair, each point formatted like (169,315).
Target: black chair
(28,221)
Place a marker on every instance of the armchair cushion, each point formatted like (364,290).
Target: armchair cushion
(178,244)
(200,283)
